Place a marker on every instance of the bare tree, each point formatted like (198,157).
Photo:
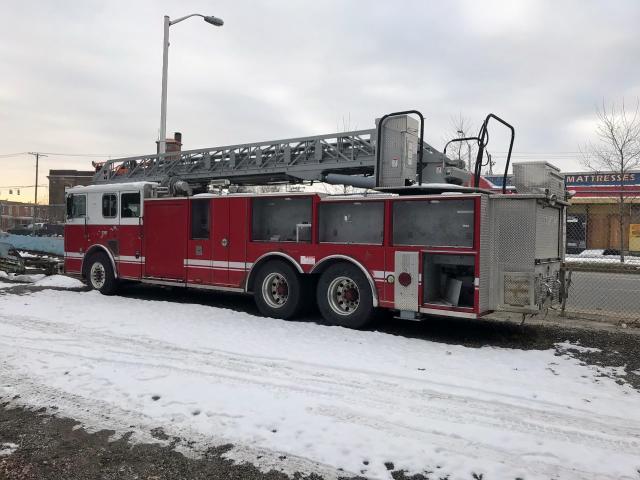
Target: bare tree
(466,151)
(616,149)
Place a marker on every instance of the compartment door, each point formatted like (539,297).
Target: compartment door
(220,240)
(407,276)
(165,239)
(198,259)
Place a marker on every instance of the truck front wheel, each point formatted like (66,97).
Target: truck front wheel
(344,296)
(278,290)
(99,274)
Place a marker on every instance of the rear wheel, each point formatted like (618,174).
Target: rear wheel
(99,274)
(344,296)
(278,290)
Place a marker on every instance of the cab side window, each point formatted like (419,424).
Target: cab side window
(110,205)
(76,206)
(130,205)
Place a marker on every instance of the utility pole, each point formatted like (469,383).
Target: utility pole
(35,199)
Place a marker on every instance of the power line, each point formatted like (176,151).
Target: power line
(23,186)
(100,155)
(62,154)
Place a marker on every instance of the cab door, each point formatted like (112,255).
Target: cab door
(198,261)
(130,257)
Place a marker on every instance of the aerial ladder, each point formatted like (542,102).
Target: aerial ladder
(346,158)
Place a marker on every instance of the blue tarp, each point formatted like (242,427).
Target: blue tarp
(53,245)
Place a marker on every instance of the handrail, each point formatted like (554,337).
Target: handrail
(483,135)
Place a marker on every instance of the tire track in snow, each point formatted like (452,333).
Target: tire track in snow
(290,375)
(295,373)
(375,391)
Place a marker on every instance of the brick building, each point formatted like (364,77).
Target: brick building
(58,181)
(16,215)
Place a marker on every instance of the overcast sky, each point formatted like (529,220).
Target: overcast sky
(84,76)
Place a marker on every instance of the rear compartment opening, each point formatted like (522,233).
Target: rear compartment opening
(449,280)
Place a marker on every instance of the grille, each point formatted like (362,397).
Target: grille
(517,289)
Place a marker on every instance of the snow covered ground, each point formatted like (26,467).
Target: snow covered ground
(325,397)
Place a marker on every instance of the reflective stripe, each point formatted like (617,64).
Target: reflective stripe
(447,313)
(216,264)
(378,274)
(197,263)
(73,255)
(129,259)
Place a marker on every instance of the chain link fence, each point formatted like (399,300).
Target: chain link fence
(603,262)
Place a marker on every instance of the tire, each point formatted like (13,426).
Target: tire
(278,290)
(99,274)
(344,297)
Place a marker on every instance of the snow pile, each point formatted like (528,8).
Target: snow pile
(19,278)
(25,254)
(598,256)
(339,398)
(56,281)
(53,245)
(7,449)
(591,253)
(568,346)
(59,281)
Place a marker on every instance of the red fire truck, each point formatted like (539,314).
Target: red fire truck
(417,248)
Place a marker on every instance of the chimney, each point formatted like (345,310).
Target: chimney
(172,144)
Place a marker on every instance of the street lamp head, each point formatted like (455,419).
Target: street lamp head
(213,20)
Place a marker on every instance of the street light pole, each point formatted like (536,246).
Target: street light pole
(162,144)
(163,102)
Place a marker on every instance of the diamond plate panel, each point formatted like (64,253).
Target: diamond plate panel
(406,298)
(485,254)
(538,177)
(512,240)
(514,233)
(399,151)
(547,232)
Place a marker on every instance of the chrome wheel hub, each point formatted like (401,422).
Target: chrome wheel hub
(343,295)
(275,290)
(98,275)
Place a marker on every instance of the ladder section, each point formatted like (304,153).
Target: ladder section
(281,161)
